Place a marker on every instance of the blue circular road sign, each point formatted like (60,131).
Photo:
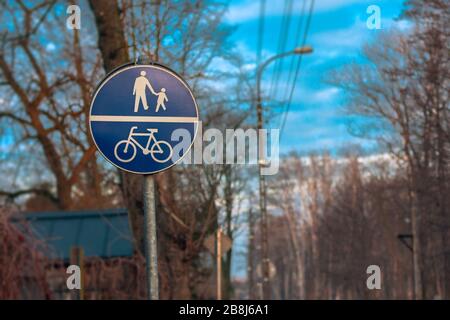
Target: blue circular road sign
(133,114)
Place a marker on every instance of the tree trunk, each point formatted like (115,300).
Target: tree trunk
(228,220)
(64,191)
(114,50)
(417,265)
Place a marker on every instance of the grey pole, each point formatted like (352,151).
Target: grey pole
(151,253)
(261,162)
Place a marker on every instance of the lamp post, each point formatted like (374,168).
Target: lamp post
(262,163)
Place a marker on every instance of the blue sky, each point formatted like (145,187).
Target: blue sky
(337,33)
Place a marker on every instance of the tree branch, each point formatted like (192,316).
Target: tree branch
(15,194)
(81,164)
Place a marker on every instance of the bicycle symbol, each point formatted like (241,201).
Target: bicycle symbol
(161,150)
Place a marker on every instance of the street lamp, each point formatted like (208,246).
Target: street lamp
(261,67)
(262,163)
(303,50)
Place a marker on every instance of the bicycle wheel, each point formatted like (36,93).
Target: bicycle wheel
(162,153)
(121,154)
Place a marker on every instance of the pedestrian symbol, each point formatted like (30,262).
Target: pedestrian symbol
(133,114)
(140,84)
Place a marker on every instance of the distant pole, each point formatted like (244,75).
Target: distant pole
(151,254)
(262,200)
(250,259)
(266,290)
(219,264)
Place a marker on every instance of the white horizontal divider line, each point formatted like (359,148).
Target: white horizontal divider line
(142,119)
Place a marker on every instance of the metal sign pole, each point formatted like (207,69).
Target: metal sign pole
(151,254)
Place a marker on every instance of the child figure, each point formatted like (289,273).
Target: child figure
(162,97)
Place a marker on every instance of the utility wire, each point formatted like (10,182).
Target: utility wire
(262,10)
(308,22)
(293,59)
(260,42)
(284,30)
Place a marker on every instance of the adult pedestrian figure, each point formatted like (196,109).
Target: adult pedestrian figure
(140,84)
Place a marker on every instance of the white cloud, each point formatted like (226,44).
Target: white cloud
(324,95)
(249,9)
(346,42)
(351,37)
(401,24)
(302,92)
(249,66)
(328,5)
(221,64)
(313,124)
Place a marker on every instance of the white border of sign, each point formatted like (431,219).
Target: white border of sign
(156,66)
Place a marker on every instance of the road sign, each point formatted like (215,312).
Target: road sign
(218,245)
(134,113)
(210,243)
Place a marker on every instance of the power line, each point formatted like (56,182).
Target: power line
(308,22)
(262,9)
(284,31)
(293,58)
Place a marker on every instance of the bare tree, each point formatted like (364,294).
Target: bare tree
(406,85)
(49,105)
(22,263)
